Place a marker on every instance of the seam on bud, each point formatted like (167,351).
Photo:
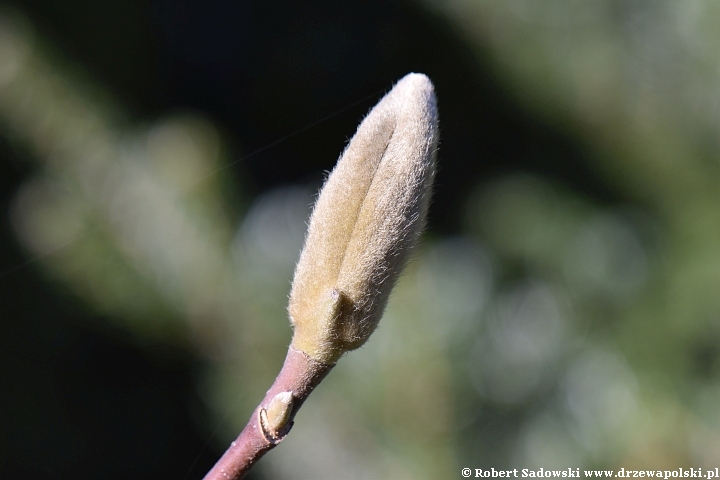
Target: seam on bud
(366,220)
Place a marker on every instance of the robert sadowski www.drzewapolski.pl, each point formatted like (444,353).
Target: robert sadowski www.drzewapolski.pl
(576,473)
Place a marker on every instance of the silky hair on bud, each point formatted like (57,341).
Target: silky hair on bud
(367,218)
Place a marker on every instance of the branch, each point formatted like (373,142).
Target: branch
(365,223)
(273,418)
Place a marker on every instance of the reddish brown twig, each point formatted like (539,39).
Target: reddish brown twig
(365,222)
(299,375)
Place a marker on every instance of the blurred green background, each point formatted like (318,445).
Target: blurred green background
(160,162)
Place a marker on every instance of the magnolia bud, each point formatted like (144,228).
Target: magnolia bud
(277,415)
(368,217)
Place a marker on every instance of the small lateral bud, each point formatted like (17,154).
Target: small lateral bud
(276,417)
(368,217)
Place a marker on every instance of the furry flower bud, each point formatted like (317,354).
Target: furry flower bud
(368,217)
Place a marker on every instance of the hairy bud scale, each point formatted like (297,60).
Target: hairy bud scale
(366,220)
